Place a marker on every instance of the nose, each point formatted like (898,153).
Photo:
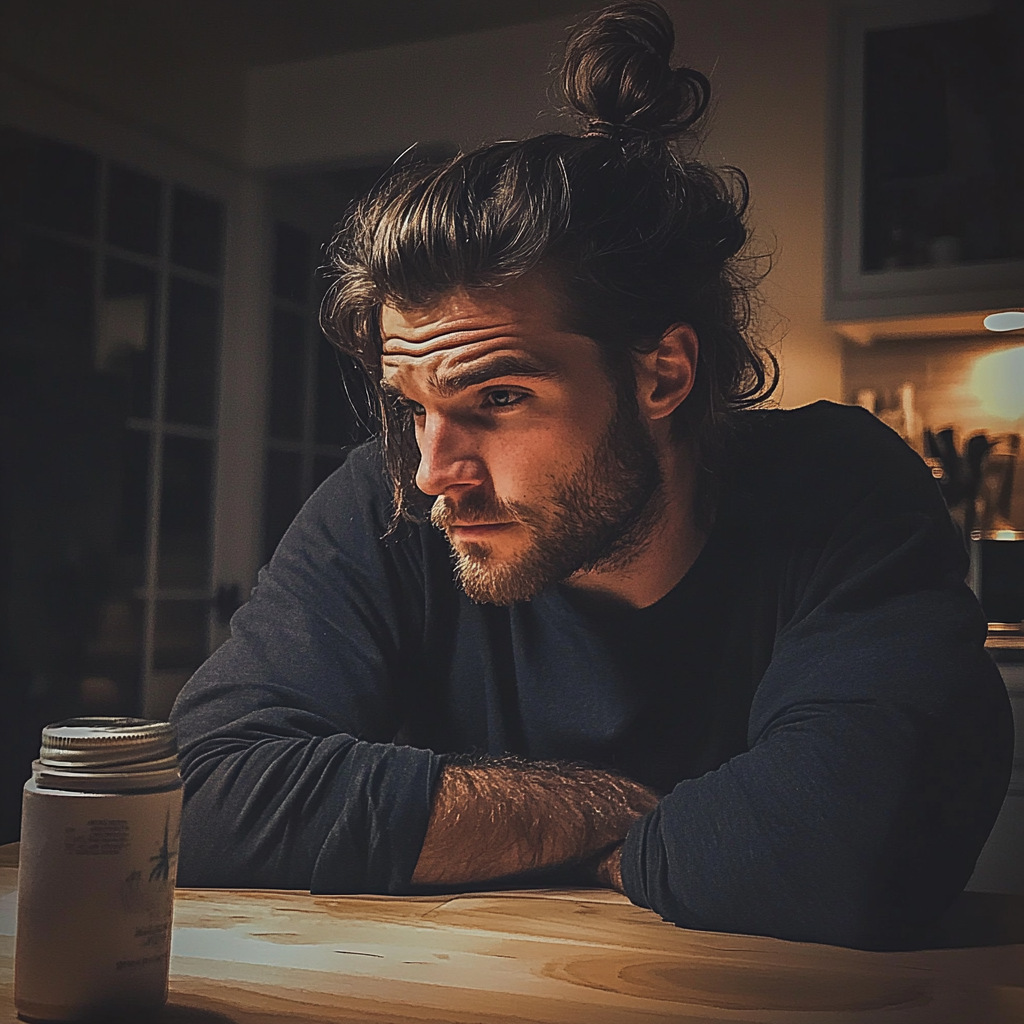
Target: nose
(449,459)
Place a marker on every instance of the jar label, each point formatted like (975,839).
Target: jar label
(95,899)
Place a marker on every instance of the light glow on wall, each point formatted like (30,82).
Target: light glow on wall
(997,380)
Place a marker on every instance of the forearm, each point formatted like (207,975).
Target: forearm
(498,820)
(302,812)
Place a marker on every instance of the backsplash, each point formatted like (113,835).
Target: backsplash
(954,388)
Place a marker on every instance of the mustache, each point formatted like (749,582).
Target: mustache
(476,507)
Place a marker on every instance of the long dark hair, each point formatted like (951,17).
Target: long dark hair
(635,235)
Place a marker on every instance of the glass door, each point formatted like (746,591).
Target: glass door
(111,322)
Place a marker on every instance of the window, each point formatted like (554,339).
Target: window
(110,328)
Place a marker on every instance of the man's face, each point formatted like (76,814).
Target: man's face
(540,471)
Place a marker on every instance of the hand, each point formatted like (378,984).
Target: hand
(607,871)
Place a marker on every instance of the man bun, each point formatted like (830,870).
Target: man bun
(618,79)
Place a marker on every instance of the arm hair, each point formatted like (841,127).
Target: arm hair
(506,817)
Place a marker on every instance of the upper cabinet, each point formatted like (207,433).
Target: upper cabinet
(926,189)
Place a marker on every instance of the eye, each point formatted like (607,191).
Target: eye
(503,398)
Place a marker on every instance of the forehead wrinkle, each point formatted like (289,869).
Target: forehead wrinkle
(433,338)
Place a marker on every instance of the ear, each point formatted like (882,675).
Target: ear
(665,376)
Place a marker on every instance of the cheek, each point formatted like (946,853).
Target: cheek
(532,464)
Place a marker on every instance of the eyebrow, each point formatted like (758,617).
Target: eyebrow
(451,384)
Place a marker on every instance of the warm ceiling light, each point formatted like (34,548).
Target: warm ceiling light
(1011,320)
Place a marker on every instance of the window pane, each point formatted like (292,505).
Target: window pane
(180,648)
(197,229)
(124,345)
(192,341)
(283,491)
(17,156)
(323,467)
(134,504)
(286,377)
(292,272)
(133,210)
(114,660)
(340,383)
(333,413)
(46,306)
(48,183)
(184,559)
(180,641)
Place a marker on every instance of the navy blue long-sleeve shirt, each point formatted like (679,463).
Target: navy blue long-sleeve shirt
(813,698)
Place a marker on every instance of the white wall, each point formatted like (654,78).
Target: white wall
(465,89)
(769,64)
(767,60)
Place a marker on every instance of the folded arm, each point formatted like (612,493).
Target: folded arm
(880,743)
(285,735)
(498,820)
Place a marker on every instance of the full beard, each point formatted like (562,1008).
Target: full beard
(600,516)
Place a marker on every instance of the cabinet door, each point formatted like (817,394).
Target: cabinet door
(1001,864)
(926,205)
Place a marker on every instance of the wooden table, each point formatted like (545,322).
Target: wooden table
(586,956)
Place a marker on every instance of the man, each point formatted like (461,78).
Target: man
(718,658)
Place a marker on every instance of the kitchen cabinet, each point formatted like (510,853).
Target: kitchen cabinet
(926,197)
(1001,864)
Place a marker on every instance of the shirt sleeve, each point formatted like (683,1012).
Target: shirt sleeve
(880,740)
(285,735)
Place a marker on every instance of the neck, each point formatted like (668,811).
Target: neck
(669,549)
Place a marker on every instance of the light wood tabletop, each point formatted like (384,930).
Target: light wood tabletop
(587,956)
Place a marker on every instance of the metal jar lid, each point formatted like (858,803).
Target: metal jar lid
(108,755)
